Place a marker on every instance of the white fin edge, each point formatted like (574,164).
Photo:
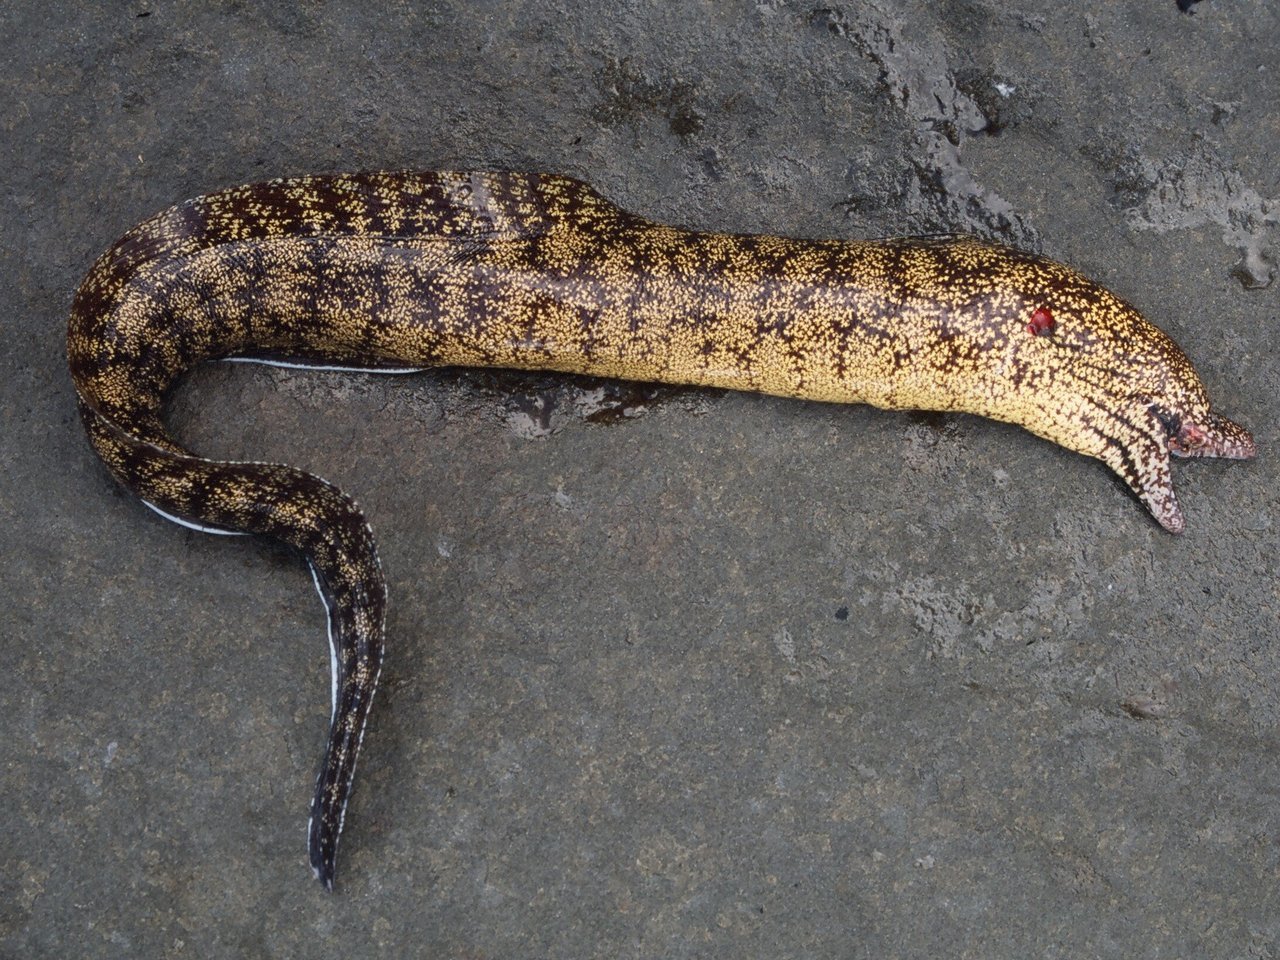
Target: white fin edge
(316,366)
(193,526)
(333,650)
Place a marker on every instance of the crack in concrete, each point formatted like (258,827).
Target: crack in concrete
(919,81)
(1200,188)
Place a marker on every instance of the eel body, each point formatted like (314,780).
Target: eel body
(403,271)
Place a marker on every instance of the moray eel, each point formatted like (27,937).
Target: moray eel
(395,272)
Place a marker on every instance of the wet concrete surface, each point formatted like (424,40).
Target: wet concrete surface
(670,673)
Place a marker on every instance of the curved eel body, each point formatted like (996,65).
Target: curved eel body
(403,271)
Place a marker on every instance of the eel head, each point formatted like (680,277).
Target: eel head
(1086,370)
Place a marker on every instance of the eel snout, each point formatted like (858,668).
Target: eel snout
(1212,436)
(1142,458)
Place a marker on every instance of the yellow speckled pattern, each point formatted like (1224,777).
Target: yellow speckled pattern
(401,271)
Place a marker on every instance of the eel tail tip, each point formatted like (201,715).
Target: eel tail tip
(324,874)
(321,853)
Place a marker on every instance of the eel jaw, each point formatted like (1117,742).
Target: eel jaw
(1139,452)
(1141,457)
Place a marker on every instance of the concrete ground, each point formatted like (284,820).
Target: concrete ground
(671,673)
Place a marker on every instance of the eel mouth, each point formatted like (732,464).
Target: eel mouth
(1214,437)
(1140,454)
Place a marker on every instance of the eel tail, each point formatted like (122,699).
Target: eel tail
(327,527)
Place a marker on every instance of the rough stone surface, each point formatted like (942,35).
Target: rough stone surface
(671,673)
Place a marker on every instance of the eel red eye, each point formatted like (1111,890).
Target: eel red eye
(1042,322)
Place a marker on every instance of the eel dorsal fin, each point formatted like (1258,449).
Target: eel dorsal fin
(405,205)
